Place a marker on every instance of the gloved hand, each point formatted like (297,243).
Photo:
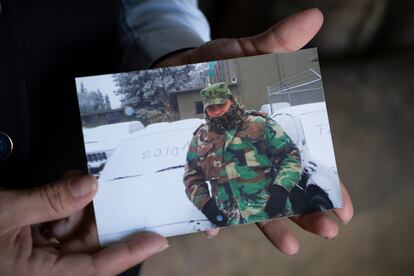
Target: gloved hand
(277,200)
(297,195)
(317,199)
(212,212)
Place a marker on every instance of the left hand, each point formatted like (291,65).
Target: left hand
(26,249)
(213,213)
(289,35)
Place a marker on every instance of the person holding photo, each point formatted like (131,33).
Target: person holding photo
(47,226)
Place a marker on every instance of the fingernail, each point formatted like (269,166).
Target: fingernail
(334,238)
(162,248)
(82,186)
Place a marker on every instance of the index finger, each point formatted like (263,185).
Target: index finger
(345,213)
(121,256)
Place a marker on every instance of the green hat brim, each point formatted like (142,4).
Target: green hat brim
(216,101)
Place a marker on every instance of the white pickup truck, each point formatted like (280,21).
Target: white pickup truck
(141,187)
(101,141)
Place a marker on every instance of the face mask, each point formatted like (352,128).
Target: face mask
(229,120)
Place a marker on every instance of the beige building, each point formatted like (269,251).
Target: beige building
(251,79)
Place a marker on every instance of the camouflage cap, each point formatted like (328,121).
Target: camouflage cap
(217,93)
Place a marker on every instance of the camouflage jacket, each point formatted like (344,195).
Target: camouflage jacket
(240,166)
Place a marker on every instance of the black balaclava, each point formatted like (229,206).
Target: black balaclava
(229,120)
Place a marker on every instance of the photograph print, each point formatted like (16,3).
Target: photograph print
(186,149)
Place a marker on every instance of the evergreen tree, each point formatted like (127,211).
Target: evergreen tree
(107,103)
(91,101)
(148,91)
(82,89)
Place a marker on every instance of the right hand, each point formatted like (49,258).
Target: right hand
(25,251)
(290,34)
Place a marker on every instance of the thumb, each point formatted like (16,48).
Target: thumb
(290,34)
(47,203)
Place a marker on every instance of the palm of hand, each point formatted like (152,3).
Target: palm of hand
(289,35)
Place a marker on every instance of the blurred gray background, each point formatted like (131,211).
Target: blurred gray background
(366,51)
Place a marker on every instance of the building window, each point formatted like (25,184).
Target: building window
(199,107)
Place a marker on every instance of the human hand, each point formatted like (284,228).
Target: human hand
(289,35)
(283,238)
(25,251)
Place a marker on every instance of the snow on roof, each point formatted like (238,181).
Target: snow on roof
(304,108)
(111,132)
(168,126)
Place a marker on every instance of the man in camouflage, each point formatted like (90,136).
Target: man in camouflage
(248,159)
